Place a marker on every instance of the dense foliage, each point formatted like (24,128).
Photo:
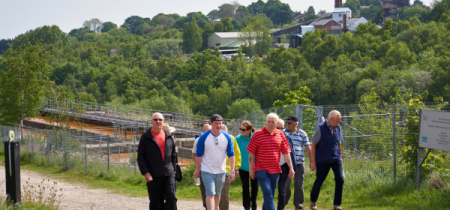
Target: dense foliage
(141,63)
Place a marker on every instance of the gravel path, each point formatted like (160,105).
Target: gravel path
(77,196)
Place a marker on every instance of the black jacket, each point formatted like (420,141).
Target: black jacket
(150,158)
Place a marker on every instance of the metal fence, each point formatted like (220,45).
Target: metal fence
(375,132)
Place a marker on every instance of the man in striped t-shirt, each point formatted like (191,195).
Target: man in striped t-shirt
(264,158)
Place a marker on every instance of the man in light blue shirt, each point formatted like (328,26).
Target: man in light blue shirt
(299,139)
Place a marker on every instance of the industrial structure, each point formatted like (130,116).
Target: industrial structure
(340,21)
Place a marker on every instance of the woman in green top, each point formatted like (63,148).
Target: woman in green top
(243,139)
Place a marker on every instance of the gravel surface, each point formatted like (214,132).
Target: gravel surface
(77,196)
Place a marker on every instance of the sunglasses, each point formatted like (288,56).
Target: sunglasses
(216,140)
(243,129)
(281,128)
(156,120)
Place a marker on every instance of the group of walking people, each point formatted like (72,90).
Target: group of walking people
(269,158)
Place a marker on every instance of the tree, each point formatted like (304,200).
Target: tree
(295,97)
(226,10)
(278,12)
(44,35)
(133,23)
(93,24)
(192,37)
(213,15)
(207,31)
(4,45)
(241,13)
(22,84)
(256,8)
(201,20)
(353,5)
(227,25)
(107,26)
(242,107)
(310,11)
(369,13)
(256,36)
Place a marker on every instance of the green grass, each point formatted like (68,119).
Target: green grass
(368,183)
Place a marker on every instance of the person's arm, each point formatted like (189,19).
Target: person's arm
(232,161)
(287,157)
(194,157)
(312,158)
(340,150)
(198,165)
(237,156)
(251,161)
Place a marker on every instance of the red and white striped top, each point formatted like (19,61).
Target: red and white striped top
(267,148)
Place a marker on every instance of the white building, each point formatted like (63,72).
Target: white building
(338,13)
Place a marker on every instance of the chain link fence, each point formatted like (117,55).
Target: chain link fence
(374,132)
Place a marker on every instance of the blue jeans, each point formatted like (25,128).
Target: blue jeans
(322,170)
(268,183)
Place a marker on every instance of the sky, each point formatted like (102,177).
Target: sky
(19,16)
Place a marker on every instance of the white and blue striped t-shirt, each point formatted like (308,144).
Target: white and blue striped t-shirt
(214,155)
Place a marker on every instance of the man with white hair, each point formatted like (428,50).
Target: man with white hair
(156,160)
(264,158)
(326,153)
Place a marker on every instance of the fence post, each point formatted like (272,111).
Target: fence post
(345,132)
(32,137)
(299,114)
(85,152)
(48,148)
(134,148)
(393,141)
(100,144)
(354,138)
(65,152)
(107,142)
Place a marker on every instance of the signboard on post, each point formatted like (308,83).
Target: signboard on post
(434,130)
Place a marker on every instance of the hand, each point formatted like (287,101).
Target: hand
(196,174)
(291,173)
(148,177)
(312,166)
(232,177)
(237,174)
(252,173)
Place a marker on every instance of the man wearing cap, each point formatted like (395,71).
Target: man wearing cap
(299,139)
(206,127)
(156,160)
(213,147)
(264,149)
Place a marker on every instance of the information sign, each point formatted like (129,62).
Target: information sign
(434,130)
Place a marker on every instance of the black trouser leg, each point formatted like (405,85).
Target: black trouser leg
(161,193)
(282,186)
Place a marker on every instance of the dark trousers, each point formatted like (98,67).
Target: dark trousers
(298,186)
(284,176)
(247,199)
(161,192)
(322,170)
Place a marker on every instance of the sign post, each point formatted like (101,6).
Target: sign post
(434,133)
(12,168)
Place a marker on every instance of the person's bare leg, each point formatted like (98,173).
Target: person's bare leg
(210,202)
(216,202)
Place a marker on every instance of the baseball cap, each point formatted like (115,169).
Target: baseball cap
(216,117)
(292,118)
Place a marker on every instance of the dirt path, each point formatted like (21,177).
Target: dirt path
(77,196)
